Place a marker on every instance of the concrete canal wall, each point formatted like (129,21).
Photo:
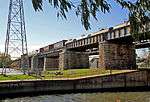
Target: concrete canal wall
(126,80)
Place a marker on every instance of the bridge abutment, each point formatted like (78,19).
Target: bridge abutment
(73,60)
(117,55)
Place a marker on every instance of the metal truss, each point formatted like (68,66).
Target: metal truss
(16,42)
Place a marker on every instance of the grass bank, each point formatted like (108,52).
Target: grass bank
(72,73)
(77,73)
(16,77)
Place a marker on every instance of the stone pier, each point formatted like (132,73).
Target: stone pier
(37,63)
(44,63)
(40,63)
(34,62)
(51,63)
(117,56)
(24,62)
(73,60)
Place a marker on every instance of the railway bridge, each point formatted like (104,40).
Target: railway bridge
(115,47)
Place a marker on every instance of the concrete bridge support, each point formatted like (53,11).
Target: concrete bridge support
(34,63)
(117,56)
(44,63)
(24,62)
(37,63)
(73,60)
(51,63)
(41,63)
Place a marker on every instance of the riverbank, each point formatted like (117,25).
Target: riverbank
(15,77)
(129,81)
(71,74)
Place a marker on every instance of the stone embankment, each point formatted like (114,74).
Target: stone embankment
(129,81)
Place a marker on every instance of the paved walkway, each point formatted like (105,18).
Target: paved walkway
(10,71)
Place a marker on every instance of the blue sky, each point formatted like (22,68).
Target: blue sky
(45,28)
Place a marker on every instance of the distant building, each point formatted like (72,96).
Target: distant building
(93,61)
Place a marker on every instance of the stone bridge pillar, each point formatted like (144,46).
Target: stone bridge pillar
(34,63)
(44,63)
(117,56)
(41,63)
(37,63)
(24,62)
(73,60)
(51,63)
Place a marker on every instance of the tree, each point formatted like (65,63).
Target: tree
(139,12)
(5,60)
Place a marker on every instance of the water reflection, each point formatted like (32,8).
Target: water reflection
(88,97)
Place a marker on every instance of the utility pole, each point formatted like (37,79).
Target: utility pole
(16,42)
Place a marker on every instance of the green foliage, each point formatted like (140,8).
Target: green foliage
(83,8)
(4,59)
(139,12)
(139,18)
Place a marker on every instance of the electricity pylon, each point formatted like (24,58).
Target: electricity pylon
(16,42)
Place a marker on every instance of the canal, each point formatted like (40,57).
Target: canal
(87,97)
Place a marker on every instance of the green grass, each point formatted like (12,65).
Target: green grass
(72,73)
(16,77)
(78,73)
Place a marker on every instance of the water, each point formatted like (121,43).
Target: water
(87,97)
